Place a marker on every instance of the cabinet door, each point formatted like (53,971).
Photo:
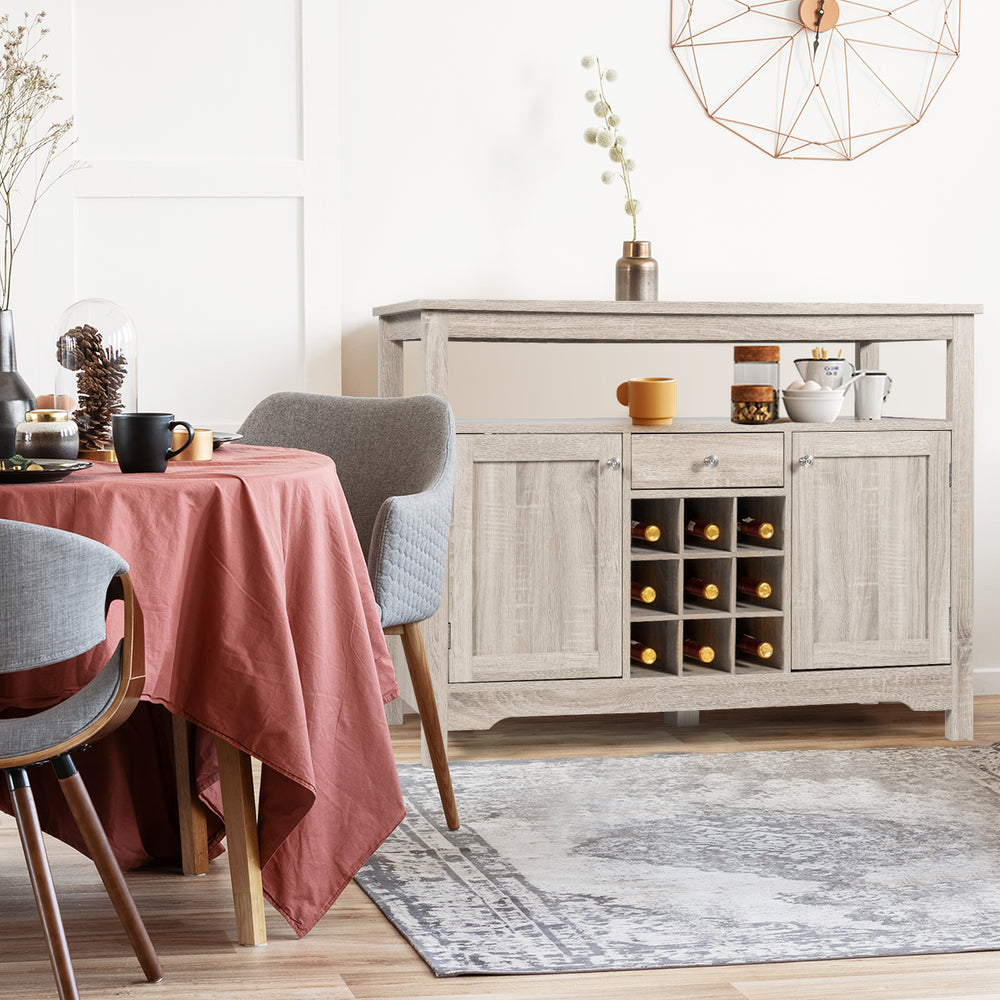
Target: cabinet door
(536,560)
(870,551)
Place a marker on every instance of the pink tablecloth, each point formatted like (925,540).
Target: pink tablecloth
(261,627)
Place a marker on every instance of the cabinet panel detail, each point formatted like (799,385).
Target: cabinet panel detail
(536,578)
(678,461)
(871,550)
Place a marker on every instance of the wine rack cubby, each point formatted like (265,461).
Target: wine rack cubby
(710,590)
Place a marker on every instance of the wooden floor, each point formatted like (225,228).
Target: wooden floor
(355,953)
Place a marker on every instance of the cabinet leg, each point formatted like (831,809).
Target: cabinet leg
(682,720)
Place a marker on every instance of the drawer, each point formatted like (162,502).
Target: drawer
(677,461)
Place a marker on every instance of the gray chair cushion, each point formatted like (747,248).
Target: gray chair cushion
(55,725)
(396,462)
(52,590)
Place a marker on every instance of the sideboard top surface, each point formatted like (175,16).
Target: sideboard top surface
(612,308)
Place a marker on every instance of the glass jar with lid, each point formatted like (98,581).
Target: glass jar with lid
(46,434)
(756,364)
(754,404)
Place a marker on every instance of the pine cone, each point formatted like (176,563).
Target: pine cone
(101,373)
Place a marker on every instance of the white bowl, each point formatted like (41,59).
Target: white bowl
(812,406)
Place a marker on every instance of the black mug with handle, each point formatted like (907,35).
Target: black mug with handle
(142,440)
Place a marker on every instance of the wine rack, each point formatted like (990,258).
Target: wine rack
(679,612)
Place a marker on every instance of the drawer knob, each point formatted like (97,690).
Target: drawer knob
(805,461)
(614,464)
(711,461)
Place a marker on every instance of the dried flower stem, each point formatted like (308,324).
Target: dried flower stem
(28,137)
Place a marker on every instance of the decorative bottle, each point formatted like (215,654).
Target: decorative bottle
(642,653)
(636,273)
(15,396)
(645,532)
(695,650)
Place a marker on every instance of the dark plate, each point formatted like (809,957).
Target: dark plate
(52,469)
(219,438)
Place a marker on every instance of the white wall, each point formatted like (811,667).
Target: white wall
(456,129)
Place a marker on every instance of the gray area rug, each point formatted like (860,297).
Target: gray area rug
(591,864)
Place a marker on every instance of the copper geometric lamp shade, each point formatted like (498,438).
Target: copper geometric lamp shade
(815,79)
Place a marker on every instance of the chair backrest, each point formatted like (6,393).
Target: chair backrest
(382,447)
(53,586)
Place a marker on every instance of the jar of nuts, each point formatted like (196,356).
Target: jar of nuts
(754,404)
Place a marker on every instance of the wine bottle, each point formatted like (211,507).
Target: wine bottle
(643,592)
(700,588)
(703,529)
(645,532)
(755,528)
(753,646)
(755,588)
(695,650)
(641,652)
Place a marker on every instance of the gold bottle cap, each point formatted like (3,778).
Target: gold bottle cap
(651,533)
(764,650)
(712,532)
(46,416)
(648,655)
(647,595)
(766,530)
(763,589)
(706,654)
(711,592)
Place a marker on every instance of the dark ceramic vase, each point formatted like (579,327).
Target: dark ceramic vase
(15,396)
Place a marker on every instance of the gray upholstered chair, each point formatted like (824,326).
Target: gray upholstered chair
(55,589)
(396,462)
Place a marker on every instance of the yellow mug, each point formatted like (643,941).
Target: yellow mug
(651,402)
(200,449)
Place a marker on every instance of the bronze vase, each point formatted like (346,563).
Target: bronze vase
(636,273)
(15,396)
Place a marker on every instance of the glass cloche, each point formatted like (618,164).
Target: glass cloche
(95,368)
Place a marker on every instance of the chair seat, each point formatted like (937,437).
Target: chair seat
(54,726)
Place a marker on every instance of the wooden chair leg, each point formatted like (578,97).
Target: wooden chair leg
(241,842)
(41,882)
(423,690)
(191,812)
(89,823)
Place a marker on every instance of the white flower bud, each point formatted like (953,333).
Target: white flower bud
(601,109)
(587,62)
(630,164)
(605,138)
(621,139)
(632,206)
(591,95)
(590,135)
(608,176)
(614,120)
(611,75)
(616,154)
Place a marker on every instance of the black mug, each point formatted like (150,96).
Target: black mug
(142,440)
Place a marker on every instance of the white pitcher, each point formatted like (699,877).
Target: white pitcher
(871,389)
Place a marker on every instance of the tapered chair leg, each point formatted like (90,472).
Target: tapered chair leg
(423,690)
(41,882)
(82,808)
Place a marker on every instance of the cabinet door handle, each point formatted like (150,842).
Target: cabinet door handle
(711,461)
(614,464)
(805,461)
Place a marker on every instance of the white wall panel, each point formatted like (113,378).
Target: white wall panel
(188,79)
(212,285)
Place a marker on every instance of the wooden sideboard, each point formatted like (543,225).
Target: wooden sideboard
(870,565)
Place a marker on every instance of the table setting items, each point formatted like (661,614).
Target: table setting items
(651,402)
(818,395)
(754,394)
(143,441)
(201,446)
(871,389)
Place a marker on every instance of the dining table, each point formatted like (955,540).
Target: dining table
(261,634)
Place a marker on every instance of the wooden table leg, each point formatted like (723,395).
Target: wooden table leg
(241,842)
(192,813)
